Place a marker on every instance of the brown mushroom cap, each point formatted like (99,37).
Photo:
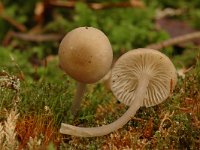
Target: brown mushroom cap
(129,68)
(85,54)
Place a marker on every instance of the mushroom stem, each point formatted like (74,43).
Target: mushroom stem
(80,90)
(106,129)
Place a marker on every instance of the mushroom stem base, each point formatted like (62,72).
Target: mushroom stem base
(80,90)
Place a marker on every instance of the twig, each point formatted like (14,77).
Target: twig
(166,117)
(176,40)
(98,6)
(14,23)
(10,20)
(184,109)
(138,119)
(37,37)
(1,7)
(7,38)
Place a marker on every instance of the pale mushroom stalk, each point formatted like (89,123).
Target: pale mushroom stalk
(106,129)
(80,90)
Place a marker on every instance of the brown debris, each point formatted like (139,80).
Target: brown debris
(174,27)
(32,37)
(179,31)
(34,126)
(14,23)
(11,20)
(98,6)
(148,130)
(169,12)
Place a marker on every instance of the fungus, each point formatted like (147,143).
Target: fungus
(141,77)
(85,54)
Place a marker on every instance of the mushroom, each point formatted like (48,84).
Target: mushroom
(85,54)
(141,77)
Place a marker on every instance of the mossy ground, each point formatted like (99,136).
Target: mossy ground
(44,104)
(42,93)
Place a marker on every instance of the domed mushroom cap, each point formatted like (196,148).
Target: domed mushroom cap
(85,54)
(129,69)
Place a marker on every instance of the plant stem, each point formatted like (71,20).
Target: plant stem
(175,40)
(106,129)
(80,90)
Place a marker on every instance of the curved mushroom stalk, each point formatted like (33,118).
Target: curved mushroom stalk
(80,90)
(106,129)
